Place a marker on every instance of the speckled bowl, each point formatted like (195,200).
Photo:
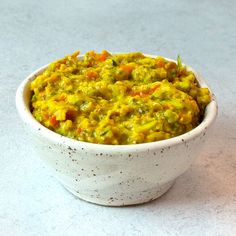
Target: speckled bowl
(114,175)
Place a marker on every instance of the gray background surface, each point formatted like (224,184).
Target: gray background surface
(34,33)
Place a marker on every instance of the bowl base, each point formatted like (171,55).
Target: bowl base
(149,196)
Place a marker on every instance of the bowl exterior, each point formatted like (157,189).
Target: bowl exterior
(118,178)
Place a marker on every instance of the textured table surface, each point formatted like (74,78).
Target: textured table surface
(33,33)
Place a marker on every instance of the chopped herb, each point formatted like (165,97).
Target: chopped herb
(179,62)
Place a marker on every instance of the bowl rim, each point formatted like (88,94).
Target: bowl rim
(22,105)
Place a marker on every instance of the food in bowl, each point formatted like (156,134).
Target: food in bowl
(126,98)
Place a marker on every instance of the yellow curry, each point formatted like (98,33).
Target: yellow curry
(118,99)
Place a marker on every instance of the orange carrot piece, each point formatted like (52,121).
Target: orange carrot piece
(127,68)
(54,78)
(156,86)
(79,130)
(145,92)
(103,55)
(160,62)
(53,121)
(92,74)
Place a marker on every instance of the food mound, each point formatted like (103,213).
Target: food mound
(124,98)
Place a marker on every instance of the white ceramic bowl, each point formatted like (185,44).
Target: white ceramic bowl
(114,175)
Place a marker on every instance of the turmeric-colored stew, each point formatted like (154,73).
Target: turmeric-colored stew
(118,98)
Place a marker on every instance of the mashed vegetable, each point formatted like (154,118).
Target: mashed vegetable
(118,99)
